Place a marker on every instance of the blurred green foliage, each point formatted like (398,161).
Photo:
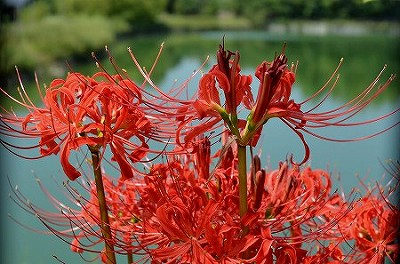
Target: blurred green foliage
(262,11)
(204,22)
(51,30)
(89,7)
(141,15)
(41,41)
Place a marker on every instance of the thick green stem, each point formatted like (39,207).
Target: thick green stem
(243,190)
(242,180)
(105,223)
(130,257)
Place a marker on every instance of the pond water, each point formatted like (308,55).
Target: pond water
(363,57)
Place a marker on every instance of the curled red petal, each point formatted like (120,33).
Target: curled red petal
(71,172)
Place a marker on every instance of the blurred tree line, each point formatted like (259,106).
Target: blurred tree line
(260,12)
(37,34)
(140,14)
(49,30)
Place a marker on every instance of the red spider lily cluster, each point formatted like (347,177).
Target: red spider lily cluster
(190,201)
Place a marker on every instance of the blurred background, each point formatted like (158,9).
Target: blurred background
(42,36)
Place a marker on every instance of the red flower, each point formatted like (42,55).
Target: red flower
(178,209)
(176,215)
(375,228)
(224,77)
(276,80)
(274,100)
(209,101)
(275,89)
(235,86)
(94,111)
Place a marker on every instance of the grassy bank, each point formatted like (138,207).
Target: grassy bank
(203,22)
(57,37)
(308,27)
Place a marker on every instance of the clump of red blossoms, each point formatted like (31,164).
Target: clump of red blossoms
(275,82)
(96,111)
(190,203)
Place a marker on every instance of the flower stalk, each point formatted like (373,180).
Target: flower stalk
(130,257)
(105,223)
(242,182)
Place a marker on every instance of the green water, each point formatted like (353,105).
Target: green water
(363,57)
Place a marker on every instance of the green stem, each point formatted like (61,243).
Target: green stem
(105,223)
(242,180)
(130,257)
(243,190)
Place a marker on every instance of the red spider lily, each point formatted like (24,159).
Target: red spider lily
(291,187)
(276,82)
(373,225)
(95,111)
(197,219)
(178,209)
(375,229)
(98,111)
(226,76)
(274,93)
(168,112)
(290,201)
(176,215)
(273,100)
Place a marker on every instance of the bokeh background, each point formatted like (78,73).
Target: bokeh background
(53,37)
